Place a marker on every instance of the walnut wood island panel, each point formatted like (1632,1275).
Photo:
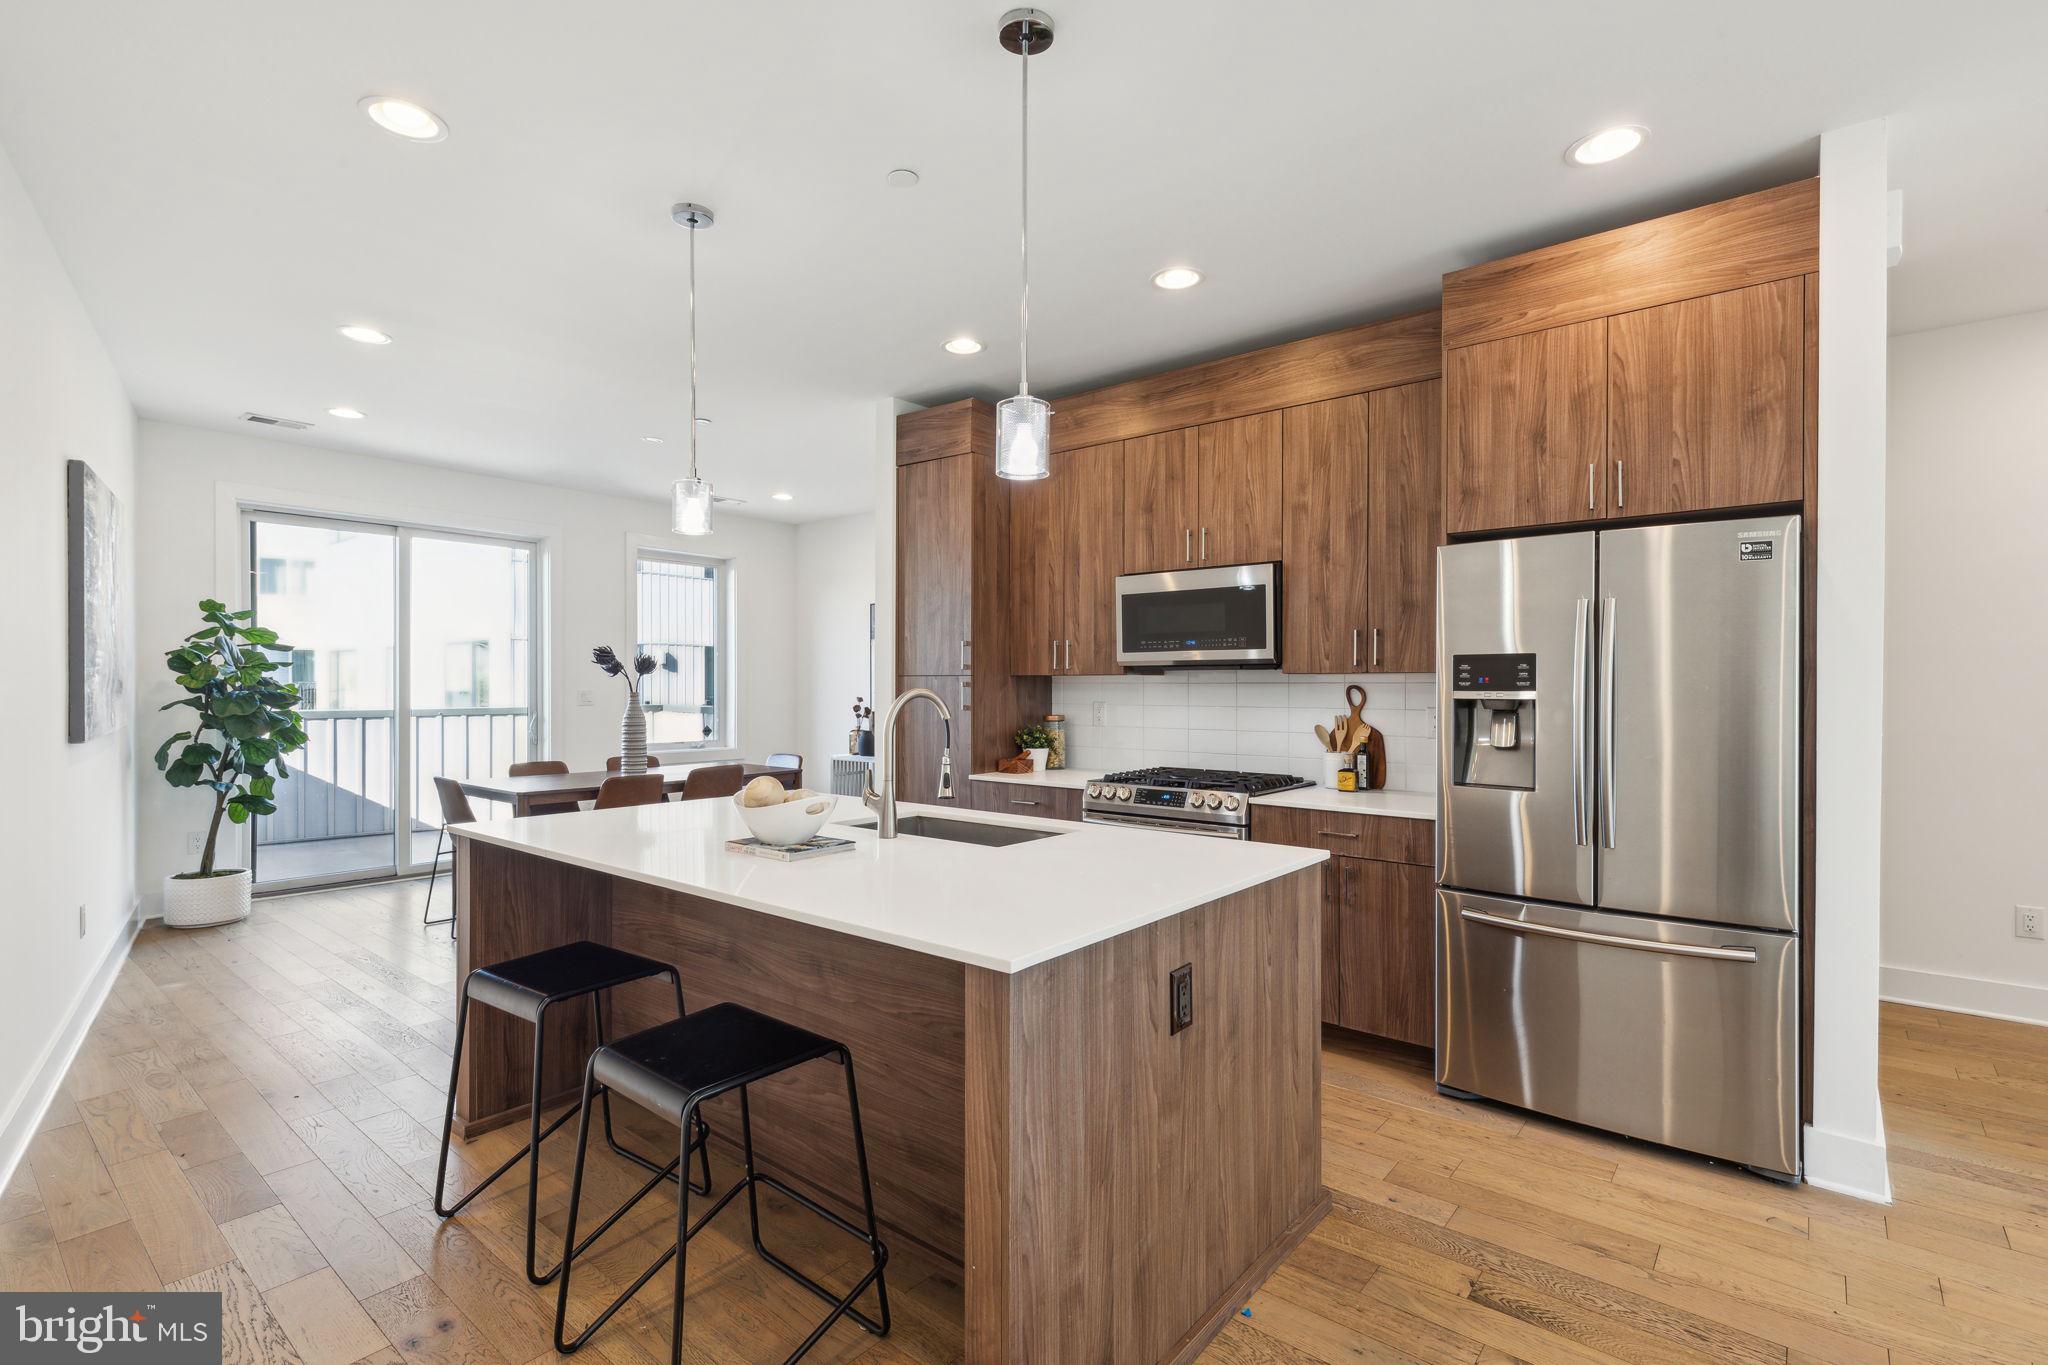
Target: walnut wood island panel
(1112,1190)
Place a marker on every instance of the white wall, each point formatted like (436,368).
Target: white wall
(188,536)
(1247,720)
(67,825)
(1845,1146)
(835,574)
(1966,765)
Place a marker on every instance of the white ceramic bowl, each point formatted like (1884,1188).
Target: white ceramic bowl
(792,822)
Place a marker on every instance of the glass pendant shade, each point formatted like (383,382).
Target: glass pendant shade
(692,499)
(1023,437)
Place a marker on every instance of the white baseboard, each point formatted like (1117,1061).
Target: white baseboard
(20,1126)
(1849,1165)
(2014,1000)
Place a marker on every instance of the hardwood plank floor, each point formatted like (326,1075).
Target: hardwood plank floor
(255,1108)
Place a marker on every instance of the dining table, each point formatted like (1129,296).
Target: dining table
(521,793)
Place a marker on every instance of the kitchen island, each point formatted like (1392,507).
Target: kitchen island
(1111,1188)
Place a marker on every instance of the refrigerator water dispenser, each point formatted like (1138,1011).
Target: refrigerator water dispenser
(1493,736)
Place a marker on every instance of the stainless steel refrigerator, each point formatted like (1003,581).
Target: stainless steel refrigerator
(1618,831)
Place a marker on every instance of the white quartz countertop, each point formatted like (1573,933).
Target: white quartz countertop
(1005,909)
(1401,805)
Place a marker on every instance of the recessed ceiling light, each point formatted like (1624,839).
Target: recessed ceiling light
(1609,144)
(403,117)
(652,440)
(369,336)
(349,414)
(901,178)
(1177,277)
(783,497)
(963,346)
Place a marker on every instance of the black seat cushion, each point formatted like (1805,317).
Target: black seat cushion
(522,986)
(704,1054)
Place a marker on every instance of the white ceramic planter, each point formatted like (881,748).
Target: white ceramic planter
(196,902)
(1038,759)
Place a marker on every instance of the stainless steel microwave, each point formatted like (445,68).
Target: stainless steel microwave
(1228,616)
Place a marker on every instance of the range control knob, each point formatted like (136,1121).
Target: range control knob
(1213,800)
(1094,789)
(1231,803)
(1123,793)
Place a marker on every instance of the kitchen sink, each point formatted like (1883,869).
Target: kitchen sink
(963,831)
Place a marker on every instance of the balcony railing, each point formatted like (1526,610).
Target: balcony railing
(341,784)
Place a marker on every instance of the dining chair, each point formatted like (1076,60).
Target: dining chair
(611,765)
(795,761)
(639,789)
(455,810)
(721,779)
(536,767)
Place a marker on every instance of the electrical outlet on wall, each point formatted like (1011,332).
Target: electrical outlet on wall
(1098,713)
(2027,921)
(195,842)
(586,697)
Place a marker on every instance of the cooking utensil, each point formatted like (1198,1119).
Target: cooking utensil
(1329,742)
(1356,696)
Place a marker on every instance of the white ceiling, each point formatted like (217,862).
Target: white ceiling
(223,206)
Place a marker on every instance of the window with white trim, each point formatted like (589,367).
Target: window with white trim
(680,614)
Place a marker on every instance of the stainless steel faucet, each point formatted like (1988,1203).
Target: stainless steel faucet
(883,802)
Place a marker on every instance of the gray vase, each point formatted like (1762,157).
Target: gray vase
(633,737)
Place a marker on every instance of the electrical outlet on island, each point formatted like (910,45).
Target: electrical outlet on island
(2027,921)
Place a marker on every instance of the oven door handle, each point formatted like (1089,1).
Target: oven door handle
(1173,826)
(1641,945)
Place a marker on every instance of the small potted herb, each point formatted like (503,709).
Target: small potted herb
(1035,740)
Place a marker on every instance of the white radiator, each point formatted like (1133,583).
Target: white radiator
(850,773)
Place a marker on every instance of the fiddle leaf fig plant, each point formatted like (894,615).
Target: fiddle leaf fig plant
(244,721)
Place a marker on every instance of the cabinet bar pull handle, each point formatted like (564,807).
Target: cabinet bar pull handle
(1336,834)
(1205,545)
(1070,656)
(963,656)
(1375,646)
(1354,647)
(1187,545)
(1055,656)
(1020,801)
(1589,485)
(1620,486)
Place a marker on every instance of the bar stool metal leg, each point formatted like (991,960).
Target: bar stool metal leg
(433,875)
(537,1135)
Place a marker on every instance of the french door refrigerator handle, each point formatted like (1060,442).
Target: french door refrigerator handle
(1607,802)
(1643,945)
(1580,833)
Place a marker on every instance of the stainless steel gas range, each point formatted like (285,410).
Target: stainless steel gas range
(1188,800)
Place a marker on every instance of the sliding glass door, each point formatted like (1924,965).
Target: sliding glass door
(413,652)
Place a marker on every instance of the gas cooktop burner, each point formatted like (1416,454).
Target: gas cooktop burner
(1251,784)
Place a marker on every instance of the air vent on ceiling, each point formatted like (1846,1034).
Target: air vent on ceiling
(287,423)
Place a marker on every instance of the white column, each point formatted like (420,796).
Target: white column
(886,412)
(1845,1147)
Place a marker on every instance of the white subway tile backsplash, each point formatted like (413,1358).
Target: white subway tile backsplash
(1255,720)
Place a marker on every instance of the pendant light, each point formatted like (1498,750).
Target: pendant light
(1024,423)
(692,496)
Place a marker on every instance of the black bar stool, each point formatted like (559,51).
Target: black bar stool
(525,987)
(674,1069)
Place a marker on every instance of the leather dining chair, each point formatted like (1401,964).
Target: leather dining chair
(722,779)
(611,765)
(795,761)
(455,810)
(537,767)
(638,789)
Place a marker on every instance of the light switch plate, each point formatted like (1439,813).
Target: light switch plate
(585,697)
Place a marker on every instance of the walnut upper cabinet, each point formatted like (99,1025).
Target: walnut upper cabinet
(1325,468)
(1527,434)
(1203,495)
(1705,401)
(935,560)
(1065,551)
(1653,370)
(1404,519)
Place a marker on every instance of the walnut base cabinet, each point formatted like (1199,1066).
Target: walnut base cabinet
(1379,891)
